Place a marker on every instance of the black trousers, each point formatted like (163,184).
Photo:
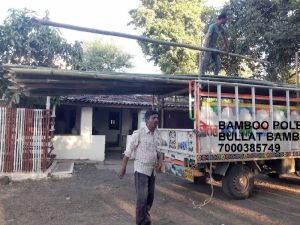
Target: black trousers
(209,57)
(144,186)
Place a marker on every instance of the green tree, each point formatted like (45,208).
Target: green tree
(25,42)
(265,29)
(171,20)
(100,56)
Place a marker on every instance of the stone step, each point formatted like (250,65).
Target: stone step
(63,169)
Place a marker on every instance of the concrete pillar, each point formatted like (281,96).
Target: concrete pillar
(86,121)
(141,119)
(48,103)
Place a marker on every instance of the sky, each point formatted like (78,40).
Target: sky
(109,15)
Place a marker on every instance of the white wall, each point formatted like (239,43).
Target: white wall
(86,121)
(85,146)
(80,147)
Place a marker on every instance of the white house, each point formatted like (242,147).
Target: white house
(88,127)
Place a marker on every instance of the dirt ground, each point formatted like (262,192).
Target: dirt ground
(95,195)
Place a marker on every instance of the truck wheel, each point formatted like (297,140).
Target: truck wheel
(225,187)
(238,182)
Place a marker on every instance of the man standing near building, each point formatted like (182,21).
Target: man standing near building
(144,146)
(211,40)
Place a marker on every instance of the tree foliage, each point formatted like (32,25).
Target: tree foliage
(265,29)
(24,42)
(170,20)
(100,56)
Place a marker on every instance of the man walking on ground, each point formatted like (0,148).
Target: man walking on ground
(143,146)
(211,40)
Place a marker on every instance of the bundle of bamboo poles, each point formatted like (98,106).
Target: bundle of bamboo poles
(55,82)
(61,82)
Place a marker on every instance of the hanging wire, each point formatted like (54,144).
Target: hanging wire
(199,205)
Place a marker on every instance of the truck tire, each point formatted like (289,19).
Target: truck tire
(225,187)
(238,182)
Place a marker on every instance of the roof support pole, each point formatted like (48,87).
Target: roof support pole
(297,73)
(161,103)
(48,103)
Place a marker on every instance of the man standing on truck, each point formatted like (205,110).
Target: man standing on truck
(211,40)
(144,148)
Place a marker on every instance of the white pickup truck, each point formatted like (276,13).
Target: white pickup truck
(240,129)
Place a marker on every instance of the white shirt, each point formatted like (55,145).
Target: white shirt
(144,144)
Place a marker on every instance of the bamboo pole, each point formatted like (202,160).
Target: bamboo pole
(95,82)
(112,80)
(19,68)
(103,87)
(57,73)
(139,38)
(44,76)
(54,74)
(61,92)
